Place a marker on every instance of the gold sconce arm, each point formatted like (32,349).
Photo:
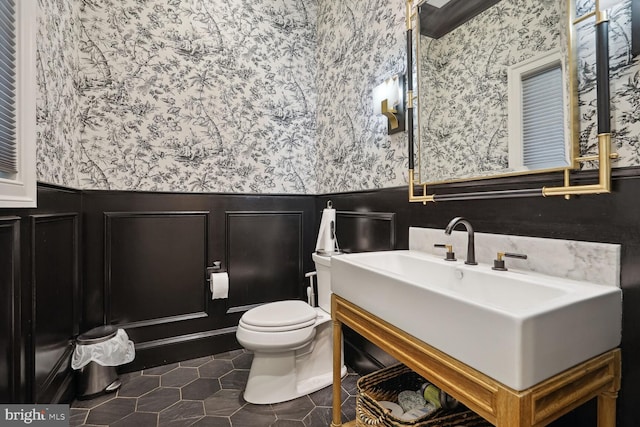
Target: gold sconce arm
(388,100)
(390,113)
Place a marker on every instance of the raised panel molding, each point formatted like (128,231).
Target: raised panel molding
(264,253)
(55,292)
(154,268)
(366,231)
(10,366)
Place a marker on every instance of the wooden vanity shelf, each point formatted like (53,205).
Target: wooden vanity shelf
(500,405)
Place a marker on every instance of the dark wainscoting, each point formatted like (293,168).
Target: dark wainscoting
(146,258)
(131,247)
(54,293)
(265,257)
(609,218)
(365,231)
(10,365)
(40,295)
(139,246)
(358,231)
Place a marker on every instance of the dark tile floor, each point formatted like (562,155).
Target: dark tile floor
(205,392)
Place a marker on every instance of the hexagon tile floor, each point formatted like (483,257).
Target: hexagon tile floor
(205,392)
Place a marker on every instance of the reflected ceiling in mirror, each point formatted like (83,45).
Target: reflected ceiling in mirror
(463,101)
(439,17)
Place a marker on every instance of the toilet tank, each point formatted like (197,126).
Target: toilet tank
(323,268)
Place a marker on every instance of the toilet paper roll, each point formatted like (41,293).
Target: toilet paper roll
(219,285)
(326,234)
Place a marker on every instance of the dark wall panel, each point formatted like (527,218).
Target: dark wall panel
(143,262)
(365,231)
(146,258)
(265,258)
(39,296)
(155,267)
(9,308)
(55,287)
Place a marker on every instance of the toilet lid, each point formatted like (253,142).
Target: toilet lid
(280,315)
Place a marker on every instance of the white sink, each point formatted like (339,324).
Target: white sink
(517,327)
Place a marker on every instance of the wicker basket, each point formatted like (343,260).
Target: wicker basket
(386,384)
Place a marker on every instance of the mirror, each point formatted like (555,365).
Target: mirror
(471,128)
(472,59)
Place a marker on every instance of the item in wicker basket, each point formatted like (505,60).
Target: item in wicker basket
(385,384)
(448,402)
(394,408)
(431,394)
(418,412)
(409,399)
(437,397)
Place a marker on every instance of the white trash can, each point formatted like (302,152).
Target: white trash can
(97,353)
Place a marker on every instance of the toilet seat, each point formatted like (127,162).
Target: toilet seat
(292,345)
(280,316)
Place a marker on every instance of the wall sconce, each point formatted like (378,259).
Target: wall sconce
(388,100)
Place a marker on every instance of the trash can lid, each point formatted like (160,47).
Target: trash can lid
(97,335)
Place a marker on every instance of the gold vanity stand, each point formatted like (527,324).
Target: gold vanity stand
(500,405)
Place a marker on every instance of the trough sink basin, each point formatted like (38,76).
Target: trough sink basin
(517,327)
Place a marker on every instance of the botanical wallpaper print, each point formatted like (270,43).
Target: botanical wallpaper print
(221,96)
(625,82)
(360,44)
(463,85)
(198,95)
(625,89)
(57,102)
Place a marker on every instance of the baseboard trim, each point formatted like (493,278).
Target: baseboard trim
(180,348)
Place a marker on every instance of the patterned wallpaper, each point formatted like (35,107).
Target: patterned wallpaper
(625,92)
(624,78)
(360,44)
(195,95)
(257,96)
(58,104)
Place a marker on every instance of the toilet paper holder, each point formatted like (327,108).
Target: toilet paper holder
(216,268)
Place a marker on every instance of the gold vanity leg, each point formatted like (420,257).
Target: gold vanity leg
(337,368)
(607,409)
(513,409)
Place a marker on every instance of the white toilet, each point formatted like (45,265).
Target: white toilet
(292,344)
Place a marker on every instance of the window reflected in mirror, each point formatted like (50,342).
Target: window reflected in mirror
(537,114)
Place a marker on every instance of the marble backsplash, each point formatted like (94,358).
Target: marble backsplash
(577,260)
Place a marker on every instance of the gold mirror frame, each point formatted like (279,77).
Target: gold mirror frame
(418,191)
